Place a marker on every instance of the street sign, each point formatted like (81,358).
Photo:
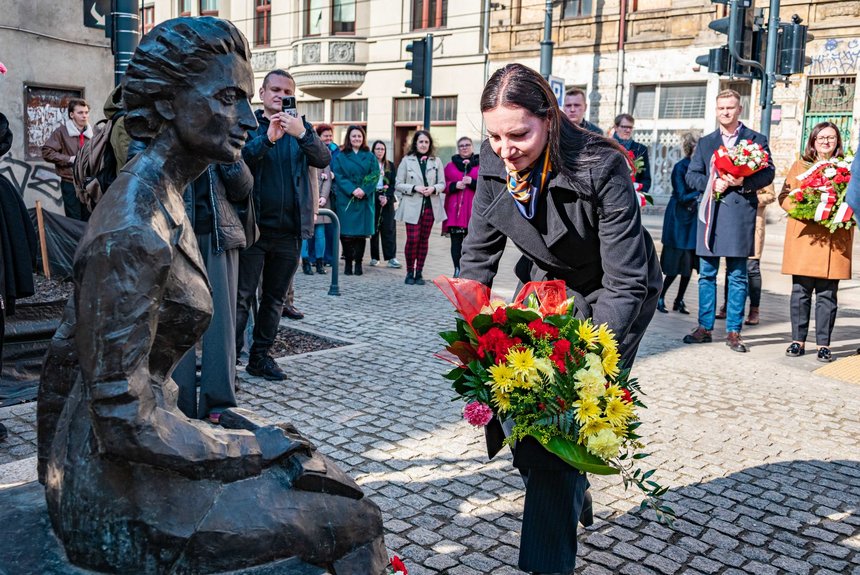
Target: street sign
(557,85)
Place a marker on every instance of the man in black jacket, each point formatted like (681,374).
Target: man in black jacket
(624,124)
(278,153)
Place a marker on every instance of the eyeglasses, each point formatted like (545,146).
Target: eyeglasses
(623,127)
(823,139)
(464,146)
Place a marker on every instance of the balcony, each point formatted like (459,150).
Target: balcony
(329,66)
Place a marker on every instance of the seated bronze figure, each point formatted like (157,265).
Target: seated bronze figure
(132,485)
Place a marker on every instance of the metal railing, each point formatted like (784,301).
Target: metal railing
(333,289)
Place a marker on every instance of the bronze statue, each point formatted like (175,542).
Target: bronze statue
(132,485)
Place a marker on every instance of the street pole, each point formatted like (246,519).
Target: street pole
(124,35)
(428,80)
(546,43)
(769,78)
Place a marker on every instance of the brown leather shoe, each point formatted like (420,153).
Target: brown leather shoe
(699,335)
(734,341)
(752,318)
(722,313)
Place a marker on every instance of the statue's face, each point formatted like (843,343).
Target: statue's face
(213,118)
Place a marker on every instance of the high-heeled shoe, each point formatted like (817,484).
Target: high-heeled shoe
(661,306)
(680,307)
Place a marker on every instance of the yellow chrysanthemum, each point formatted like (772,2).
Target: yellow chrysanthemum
(503,385)
(593,427)
(604,444)
(587,409)
(501,372)
(618,412)
(502,400)
(606,338)
(610,361)
(522,361)
(587,333)
(613,392)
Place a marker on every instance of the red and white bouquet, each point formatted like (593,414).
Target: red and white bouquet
(636,167)
(821,195)
(557,377)
(741,160)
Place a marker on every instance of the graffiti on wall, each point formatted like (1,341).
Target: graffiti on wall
(837,57)
(33,182)
(46,109)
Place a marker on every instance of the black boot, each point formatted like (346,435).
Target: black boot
(320,267)
(410,279)
(347,267)
(306,267)
(358,270)
(419,281)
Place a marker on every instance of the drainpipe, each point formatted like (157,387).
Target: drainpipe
(619,85)
(486,47)
(547,43)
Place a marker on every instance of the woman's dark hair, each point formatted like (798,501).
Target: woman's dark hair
(168,60)
(413,148)
(346,143)
(688,143)
(323,127)
(373,148)
(519,86)
(809,153)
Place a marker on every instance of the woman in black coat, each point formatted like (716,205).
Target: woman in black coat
(385,228)
(564,197)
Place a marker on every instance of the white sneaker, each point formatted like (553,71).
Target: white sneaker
(393,263)
(373,263)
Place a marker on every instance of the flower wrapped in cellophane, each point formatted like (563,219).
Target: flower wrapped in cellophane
(821,195)
(558,378)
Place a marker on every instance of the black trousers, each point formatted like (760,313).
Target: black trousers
(825,307)
(385,231)
(275,256)
(72,206)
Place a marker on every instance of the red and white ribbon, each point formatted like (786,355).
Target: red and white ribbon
(825,205)
(642,199)
(707,202)
(843,214)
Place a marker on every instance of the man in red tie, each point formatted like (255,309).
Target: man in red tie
(62,147)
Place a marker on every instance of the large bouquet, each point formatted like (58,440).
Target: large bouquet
(741,160)
(558,378)
(821,195)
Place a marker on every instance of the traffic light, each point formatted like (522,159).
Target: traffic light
(792,47)
(738,29)
(418,83)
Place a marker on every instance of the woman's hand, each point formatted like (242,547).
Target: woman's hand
(358,193)
(383,199)
(322,202)
(427,191)
(461,185)
(467,180)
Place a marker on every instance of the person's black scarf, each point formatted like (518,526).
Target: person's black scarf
(461,165)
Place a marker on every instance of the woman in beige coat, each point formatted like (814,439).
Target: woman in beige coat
(815,258)
(419,183)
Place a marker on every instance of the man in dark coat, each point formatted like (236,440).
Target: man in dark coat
(726,227)
(575,108)
(624,124)
(278,153)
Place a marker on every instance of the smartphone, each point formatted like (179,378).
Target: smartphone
(288,105)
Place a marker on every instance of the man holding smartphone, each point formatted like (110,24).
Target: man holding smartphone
(278,152)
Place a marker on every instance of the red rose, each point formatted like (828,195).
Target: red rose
(560,351)
(500,316)
(398,565)
(541,329)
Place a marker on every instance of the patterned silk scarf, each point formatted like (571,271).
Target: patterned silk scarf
(526,185)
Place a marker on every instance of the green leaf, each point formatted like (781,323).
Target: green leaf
(455,373)
(522,315)
(648,474)
(450,336)
(578,457)
(641,455)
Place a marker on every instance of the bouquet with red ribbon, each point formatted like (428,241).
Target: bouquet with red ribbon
(636,167)
(741,160)
(821,195)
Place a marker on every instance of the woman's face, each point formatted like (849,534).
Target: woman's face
(379,152)
(464,148)
(356,139)
(212,117)
(422,144)
(825,142)
(326,137)
(516,135)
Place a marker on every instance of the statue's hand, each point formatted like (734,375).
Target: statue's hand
(275,444)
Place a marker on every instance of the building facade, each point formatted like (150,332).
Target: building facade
(348,58)
(639,56)
(54,51)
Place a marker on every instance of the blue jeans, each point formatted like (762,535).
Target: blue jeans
(318,243)
(736,269)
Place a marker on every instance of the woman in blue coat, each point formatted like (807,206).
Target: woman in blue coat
(356,173)
(678,257)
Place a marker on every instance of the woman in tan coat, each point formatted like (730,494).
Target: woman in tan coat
(815,258)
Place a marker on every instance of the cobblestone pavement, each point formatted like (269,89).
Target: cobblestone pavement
(762,455)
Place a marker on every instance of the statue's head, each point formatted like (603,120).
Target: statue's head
(192,77)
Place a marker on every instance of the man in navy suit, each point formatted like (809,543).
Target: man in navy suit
(623,134)
(726,227)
